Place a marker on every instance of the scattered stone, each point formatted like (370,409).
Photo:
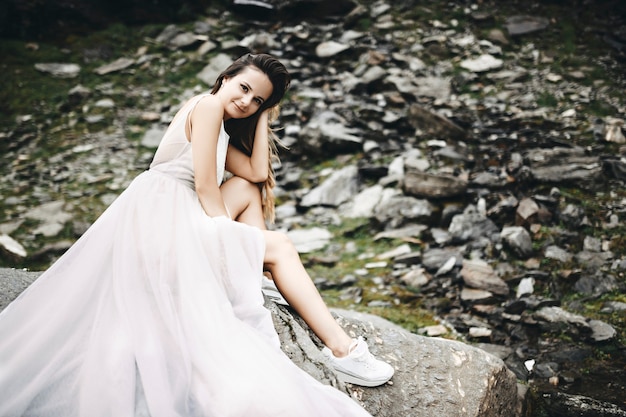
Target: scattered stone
(79,93)
(559,254)
(94,118)
(330,48)
(556,319)
(115,66)
(327,131)
(336,189)
(434,331)
(167,34)
(601,331)
(483,63)
(105,103)
(433,259)
(408,260)
(152,137)
(559,403)
(434,124)
(416,278)
(364,203)
(407,232)
(447,267)
(527,211)
(615,132)
(51,217)
(394,253)
(480,332)
(596,284)
(526,287)
(471,225)
(545,370)
(472,294)
(497,36)
(480,275)
(518,239)
(12,247)
(424,185)
(563,165)
(613,307)
(399,210)
(59,70)
(210,72)
(310,240)
(523,24)
(185,40)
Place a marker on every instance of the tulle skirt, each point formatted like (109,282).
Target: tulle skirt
(156,310)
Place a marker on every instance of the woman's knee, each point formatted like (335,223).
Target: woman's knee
(242,185)
(239,194)
(278,245)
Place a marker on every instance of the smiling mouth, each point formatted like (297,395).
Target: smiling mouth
(239,108)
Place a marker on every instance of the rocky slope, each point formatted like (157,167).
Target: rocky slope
(456,158)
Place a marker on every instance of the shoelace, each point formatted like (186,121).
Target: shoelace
(353,345)
(365,357)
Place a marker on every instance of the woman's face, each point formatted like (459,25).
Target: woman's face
(243,94)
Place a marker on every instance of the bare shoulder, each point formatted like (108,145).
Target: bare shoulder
(206,117)
(211,103)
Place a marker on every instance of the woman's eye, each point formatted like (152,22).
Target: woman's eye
(244,88)
(258,101)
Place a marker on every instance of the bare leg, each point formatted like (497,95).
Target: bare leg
(294,283)
(243,200)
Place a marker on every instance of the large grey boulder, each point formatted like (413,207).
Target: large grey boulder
(434,377)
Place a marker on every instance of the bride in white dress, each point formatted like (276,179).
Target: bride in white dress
(157,309)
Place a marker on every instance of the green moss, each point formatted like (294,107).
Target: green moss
(406,311)
(409,317)
(408,314)
(568,37)
(599,109)
(546,99)
(364,24)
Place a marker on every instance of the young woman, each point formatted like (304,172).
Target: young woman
(157,309)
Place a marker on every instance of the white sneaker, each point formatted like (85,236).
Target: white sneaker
(269,289)
(360,367)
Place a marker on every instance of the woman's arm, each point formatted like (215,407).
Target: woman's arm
(254,168)
(206,121)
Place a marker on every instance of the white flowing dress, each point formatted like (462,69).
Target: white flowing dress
(156,310)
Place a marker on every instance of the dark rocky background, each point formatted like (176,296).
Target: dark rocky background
(475,199)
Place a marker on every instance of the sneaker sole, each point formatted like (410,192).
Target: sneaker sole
(351,379)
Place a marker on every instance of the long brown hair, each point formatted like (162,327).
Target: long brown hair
(241,131)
